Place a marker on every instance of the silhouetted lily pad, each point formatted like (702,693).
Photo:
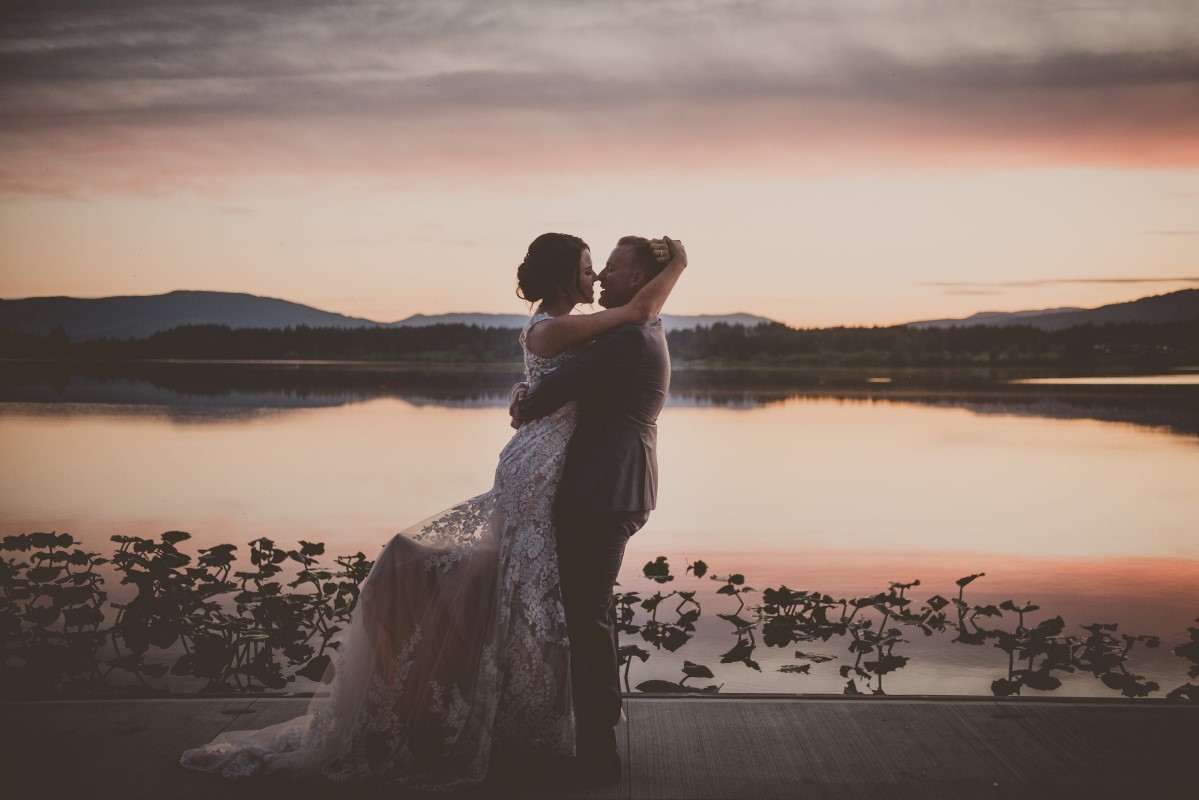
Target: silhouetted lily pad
(1039,680)
(658,570)
(314,670)
(1129,685)
(44,574)
(662,687)
(886,664)
(628,651)
(796,669)
(42,539)
(1188,692)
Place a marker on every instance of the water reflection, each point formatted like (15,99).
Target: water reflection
(1186,379)
(194,392)
(220,391)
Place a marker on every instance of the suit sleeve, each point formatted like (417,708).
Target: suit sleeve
(590,371)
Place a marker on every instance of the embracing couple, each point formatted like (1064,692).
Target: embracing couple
(483,638)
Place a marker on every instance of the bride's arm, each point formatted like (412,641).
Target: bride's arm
(648,302)
(552,336)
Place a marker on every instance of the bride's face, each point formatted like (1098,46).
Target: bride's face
(585,285)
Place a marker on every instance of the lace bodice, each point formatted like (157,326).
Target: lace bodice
(536,367)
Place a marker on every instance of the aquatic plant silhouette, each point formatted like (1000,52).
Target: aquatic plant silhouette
(1190,651)
(788,617)
(199,620)
(663,635)
(52,616)
(51,609)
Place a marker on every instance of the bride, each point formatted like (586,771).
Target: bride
(458,651)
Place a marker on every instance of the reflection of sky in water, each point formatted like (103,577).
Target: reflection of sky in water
(858,474)
(1093,520)
(1129,380)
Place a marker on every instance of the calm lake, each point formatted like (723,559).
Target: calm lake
(1081,497)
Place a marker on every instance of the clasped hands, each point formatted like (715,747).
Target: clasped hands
(667,249)
(514,397)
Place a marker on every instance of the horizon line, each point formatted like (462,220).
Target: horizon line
(1058,309)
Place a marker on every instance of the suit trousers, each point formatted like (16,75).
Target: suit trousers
(590,550)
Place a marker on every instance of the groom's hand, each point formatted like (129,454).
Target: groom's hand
(660,249)
(667,250)
(514,397)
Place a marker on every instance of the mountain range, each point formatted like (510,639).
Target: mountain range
(138,317)
(1180,306)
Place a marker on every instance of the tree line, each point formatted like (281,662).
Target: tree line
(766,345)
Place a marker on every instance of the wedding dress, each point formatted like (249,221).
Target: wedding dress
(457,649)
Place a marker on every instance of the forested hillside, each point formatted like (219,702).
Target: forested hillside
(765,345)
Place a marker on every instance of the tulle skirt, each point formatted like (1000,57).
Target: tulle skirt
(457,649)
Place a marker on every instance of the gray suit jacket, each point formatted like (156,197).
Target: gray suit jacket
(620,381)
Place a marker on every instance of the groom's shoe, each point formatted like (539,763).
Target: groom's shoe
(581,772)
(602,770)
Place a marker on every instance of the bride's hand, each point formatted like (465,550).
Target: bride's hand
(667,250)
(514,397)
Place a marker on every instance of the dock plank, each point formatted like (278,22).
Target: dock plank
(684,748)
(104,749)
(1119,750)
(187,784)
(899,748)
(976,750)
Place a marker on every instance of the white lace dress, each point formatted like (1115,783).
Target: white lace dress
(457,649)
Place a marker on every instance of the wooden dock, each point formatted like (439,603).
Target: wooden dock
(709,748)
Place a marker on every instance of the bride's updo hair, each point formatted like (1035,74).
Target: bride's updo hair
(550,266)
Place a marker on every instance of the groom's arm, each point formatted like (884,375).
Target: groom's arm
(590,371)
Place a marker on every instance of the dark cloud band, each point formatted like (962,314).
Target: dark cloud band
(467,82)
(959,287)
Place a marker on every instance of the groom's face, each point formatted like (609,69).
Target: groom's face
(619,278)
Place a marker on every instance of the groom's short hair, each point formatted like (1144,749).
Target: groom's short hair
(643,255)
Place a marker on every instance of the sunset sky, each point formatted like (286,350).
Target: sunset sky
(826,162)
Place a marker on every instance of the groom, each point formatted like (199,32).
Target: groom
(609,486)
